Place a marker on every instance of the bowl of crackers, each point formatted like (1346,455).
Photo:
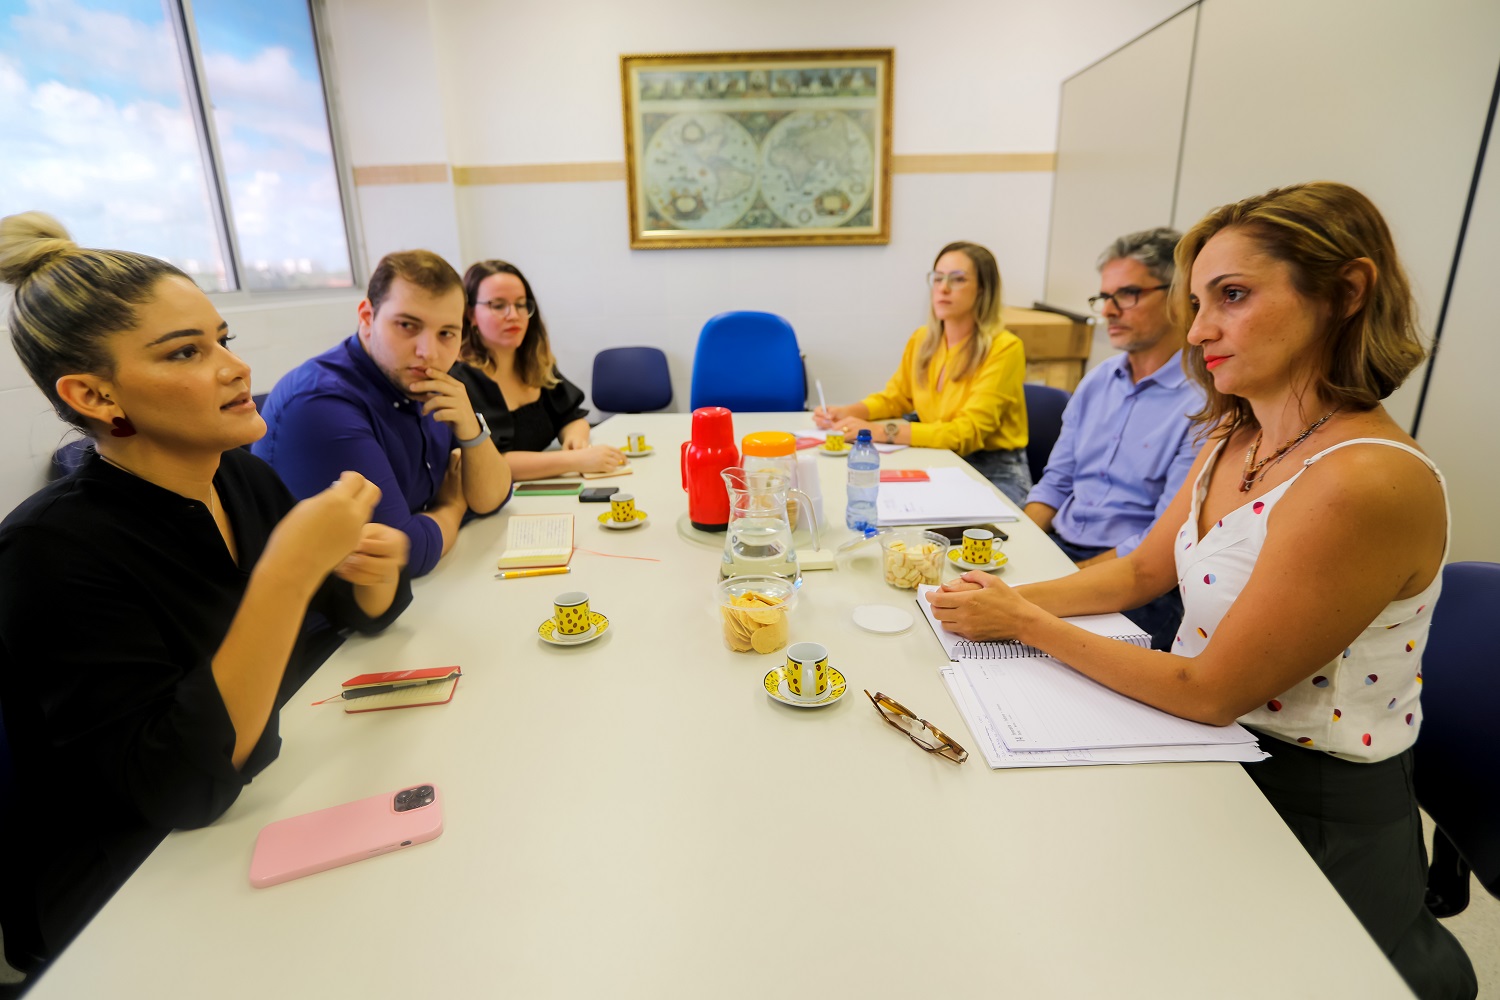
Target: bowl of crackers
(910,557)
(753,611)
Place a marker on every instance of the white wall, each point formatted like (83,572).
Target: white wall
(1461,417)
(1393,104)
(475,82)
(526,84)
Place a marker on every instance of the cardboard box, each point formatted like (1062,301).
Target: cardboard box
(1060,373)
(1048,336)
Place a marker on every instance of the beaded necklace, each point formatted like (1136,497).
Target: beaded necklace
(1256,471)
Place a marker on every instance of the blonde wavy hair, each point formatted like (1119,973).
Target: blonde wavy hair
(986,314)
(1316,229)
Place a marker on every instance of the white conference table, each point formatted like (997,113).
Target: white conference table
(636,818)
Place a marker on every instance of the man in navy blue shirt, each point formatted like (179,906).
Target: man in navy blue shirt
(383,404)
(1126,442)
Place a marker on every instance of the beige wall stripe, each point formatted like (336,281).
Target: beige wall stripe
(408,173)
(539,173)
(973,163)
(556,173)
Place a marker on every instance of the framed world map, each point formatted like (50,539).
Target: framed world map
(758,148)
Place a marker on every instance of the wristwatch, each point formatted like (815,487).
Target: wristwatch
(891,430)
(481,437)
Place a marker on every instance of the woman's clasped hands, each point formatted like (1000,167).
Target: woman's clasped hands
(980,607)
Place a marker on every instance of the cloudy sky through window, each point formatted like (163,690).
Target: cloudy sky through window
(95,128)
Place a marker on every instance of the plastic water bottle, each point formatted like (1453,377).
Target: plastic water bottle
(864,483)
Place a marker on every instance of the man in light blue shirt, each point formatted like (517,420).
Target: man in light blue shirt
(1126,443)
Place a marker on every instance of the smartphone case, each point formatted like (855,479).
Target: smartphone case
(340,835)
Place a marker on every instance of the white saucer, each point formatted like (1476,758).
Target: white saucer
(956,558)
(607,520)
(546,631)
(882,619)
(648,450)
(775,685)
(835,454)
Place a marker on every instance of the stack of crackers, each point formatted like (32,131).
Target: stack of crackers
(754,621)
(909,565)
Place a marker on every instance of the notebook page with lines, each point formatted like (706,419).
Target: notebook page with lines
(1038,703)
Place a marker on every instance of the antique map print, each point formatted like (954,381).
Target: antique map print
(759,152)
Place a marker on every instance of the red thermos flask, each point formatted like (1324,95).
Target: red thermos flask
(709,453)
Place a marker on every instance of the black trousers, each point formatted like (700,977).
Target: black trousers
(1360,824)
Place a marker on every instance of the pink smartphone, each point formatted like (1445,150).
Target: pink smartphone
(342,835)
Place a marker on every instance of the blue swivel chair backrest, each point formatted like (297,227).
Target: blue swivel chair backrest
(1044,412)
(749,362)
(631,380)
(1457,756)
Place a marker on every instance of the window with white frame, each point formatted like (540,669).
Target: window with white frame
(192,131)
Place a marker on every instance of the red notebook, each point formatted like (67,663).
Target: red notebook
(392,689)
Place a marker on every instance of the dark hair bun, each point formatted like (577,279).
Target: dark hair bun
(28,242)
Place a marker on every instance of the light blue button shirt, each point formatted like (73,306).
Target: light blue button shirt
(1123,453)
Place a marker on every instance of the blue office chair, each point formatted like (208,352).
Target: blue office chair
(631,380)
(749,362)
(1044,412)
(1456,757)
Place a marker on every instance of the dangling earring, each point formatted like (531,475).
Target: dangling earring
(123,428)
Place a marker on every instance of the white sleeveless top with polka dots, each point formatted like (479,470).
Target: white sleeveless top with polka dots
(1363,705)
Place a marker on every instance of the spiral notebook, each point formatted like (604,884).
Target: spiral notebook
(1021,700)
(1111,626)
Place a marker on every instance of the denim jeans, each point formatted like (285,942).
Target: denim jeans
(1007,470)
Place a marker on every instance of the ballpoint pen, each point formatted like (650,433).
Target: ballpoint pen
(516,574)
(822,403)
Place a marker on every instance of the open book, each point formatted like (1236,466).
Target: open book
(533,541)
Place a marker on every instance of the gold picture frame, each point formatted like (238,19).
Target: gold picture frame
(736,149)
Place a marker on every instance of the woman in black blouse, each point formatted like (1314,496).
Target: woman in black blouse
(152,603)
(514,383)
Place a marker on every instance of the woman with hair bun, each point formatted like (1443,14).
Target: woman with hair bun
(151,603)
(1308,538)
(961,374)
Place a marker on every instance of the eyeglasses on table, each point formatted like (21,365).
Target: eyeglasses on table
(921,732)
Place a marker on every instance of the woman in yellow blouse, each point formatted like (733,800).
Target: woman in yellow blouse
(961,374)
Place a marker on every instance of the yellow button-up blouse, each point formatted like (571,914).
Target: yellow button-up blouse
(985,412)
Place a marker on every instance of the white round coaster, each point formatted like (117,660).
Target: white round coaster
(882,619)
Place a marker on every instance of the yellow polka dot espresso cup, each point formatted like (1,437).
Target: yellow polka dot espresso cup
(635,442)
(807,671)
(835,441)
(571,611)
(622,507)
(979,547)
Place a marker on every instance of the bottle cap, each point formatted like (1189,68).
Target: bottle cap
(769,444)
(864,434)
